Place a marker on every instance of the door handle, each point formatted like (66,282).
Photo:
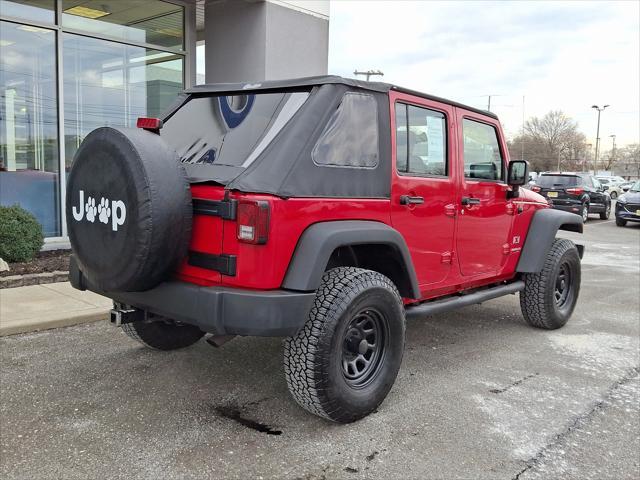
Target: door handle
(468,201)
(408,200)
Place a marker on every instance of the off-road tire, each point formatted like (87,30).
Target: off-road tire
(538,301)
(621,222)
(162,334)
(585,216)
(313,359)
(607,212)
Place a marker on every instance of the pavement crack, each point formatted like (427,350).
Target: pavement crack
(578,421)
(514,384)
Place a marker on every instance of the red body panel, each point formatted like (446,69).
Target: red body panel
(453,247)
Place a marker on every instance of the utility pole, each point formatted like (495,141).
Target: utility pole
(613,151)
(489,100)
(595,162)
(368,73)
(522,137)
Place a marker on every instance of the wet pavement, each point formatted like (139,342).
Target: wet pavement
(479,395)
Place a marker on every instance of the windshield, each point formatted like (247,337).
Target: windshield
(558,181)
(635,187)
(231,130)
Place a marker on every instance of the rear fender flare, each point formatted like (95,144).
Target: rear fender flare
(320,240)
(542,232)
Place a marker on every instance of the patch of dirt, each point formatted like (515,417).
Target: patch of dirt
(51,261)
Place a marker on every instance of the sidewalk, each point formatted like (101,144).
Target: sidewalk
(39,307)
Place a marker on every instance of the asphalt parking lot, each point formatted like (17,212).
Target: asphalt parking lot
(480,395)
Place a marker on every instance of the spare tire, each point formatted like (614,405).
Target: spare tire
(128,209)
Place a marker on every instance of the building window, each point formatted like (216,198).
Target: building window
(120,60)
(42,11)
(420,141)
(112,84)
(136,21)
(482,157)
(28,122)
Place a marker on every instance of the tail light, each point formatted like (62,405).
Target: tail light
(253,221)
(575,191)
(153,124)
(535,188)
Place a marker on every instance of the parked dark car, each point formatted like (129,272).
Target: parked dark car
(579,193)
(628,206)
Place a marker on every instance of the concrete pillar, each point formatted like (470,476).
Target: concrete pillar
(252,40)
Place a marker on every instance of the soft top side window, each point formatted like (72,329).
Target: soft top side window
(350,138)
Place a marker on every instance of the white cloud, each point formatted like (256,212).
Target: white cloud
(559,55)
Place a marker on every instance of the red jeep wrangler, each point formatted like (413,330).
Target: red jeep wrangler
(322,209)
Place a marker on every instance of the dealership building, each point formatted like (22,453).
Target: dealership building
(70,66)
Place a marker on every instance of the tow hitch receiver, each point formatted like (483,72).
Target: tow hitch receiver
(121,314)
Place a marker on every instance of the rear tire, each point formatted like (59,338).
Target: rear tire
(163,334)
(620,222)
(344,361)
(585,212)
(607,212)
(549,296)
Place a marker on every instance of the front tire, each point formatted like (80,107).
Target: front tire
(620,222)
(549,296)
(162,334)
(344,361)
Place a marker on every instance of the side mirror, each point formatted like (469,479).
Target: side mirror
(517,176)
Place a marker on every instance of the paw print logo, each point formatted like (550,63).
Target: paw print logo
(91,209)
(104,210)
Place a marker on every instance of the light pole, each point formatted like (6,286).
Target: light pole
(595,162)
(613,151)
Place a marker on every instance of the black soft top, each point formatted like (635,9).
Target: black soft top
(266,85)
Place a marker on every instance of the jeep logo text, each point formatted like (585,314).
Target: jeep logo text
(116,210)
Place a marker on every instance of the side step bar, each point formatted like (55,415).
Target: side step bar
(438,306)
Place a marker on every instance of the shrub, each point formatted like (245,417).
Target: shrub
(20,234)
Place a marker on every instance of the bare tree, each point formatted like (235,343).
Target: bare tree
(628,161)
(551,142)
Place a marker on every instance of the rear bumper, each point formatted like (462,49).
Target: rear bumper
(218,310)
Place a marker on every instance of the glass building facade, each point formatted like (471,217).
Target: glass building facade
(68,67)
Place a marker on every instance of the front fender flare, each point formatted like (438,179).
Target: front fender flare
(542,232)
(319,241)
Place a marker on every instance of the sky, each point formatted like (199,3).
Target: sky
(559,55)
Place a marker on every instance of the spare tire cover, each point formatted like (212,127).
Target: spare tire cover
(128,209)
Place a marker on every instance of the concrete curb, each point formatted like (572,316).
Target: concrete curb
(41,307)
(14,281)
(65,320)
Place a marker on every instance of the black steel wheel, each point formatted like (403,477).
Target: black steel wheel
(344,361)
(550,295)
(363,347)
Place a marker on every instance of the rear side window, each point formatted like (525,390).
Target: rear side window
(550,181)
(350,138)
(482,156)
(420,141)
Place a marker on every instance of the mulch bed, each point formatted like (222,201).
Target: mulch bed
(50,261)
